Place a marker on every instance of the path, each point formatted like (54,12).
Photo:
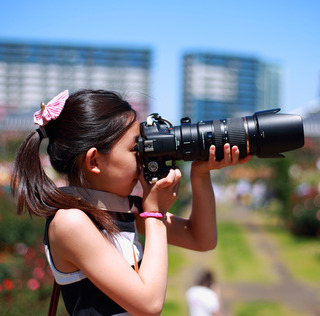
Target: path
(287,290)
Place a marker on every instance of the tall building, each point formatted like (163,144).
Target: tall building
(32,73)
(219,86)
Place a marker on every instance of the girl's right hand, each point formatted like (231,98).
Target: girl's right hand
(161,195)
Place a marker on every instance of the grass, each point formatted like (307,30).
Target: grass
(173,308)
(177,260)
(301,254)
(264,308)
(237,261)
(175,301)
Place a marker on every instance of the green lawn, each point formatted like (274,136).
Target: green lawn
(264,308)
(301,254)
(235,258)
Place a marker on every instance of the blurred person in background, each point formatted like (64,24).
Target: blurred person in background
(203,298)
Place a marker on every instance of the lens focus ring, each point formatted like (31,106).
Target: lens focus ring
(218,141)
(237,134)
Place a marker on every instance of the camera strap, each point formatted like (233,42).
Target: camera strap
(106,200)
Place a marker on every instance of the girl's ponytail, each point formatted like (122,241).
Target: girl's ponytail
(29,182)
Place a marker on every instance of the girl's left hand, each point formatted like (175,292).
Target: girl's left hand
(162,194)
(230,158)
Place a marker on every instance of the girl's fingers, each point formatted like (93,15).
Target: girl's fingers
(212,152)
(235,155)
(227,154)
(172,178)
(230,156)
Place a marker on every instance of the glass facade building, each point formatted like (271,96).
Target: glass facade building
(220,86)
(34,73)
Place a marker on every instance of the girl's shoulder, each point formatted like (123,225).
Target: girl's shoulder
(71,216)
(71,235)
(68,222)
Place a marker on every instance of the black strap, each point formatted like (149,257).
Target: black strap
(136,201)
(54,299)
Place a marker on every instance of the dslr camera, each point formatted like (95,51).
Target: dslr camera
(265,134)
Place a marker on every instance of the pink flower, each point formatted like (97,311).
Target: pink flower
(33,284)
(40,262)
(38,273)
(30,254)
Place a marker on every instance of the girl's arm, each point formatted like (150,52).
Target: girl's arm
(199,232)
(76,243)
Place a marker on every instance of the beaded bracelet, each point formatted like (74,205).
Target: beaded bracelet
(145,215)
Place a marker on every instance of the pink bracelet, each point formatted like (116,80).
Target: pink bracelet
(145,215)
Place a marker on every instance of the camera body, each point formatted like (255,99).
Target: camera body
(265,134)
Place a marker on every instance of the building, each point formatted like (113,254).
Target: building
(220,86)
(33,73)
(312,125)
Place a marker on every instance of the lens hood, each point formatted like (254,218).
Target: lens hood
(273,133)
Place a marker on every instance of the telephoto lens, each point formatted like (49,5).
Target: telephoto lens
(265,134)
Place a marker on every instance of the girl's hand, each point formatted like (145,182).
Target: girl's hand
(231,157)
(160,196)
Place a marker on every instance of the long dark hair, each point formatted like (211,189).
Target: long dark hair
(90,118)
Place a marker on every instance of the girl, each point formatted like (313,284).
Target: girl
(92,137)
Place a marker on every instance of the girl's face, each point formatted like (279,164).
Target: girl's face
(119,169)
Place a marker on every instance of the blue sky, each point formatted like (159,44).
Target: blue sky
(281,31)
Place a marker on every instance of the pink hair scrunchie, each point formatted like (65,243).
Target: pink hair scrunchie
(52,110)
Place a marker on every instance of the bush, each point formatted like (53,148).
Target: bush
(305,217)
(25,277)
(14,228)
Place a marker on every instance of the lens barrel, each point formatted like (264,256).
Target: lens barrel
(265,134)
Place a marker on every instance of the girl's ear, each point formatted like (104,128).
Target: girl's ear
(91,161)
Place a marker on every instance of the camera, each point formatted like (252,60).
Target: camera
(265,134)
